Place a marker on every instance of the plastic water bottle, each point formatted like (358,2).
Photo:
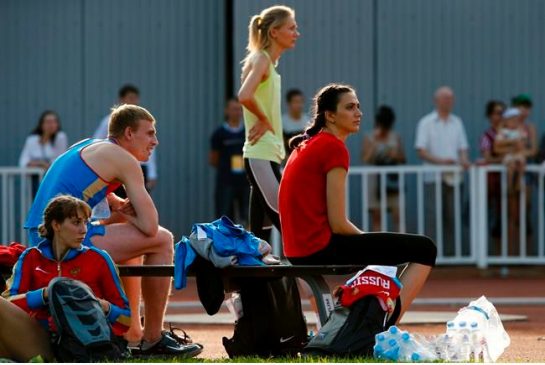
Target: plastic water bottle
(408,348)
(450,342)
(101,210)
(464,348)
(477,342)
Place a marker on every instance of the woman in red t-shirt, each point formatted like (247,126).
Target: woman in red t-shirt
(315,229)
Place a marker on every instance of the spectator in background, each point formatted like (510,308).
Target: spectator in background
(232,188)
(44,144)
(510,141)
(129,94)
(441,140)
(494,112)
(295,120)
(383,147)
(524,103)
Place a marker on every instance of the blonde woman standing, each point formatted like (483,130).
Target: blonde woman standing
(271,33)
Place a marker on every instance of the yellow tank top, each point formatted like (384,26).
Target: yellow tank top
(268,96)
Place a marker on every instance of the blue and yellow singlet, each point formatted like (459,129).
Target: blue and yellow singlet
(69,174)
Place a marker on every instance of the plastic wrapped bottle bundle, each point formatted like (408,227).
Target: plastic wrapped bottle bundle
(475,334)
(397,345)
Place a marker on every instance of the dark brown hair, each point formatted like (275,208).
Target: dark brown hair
(39,129)
(58,209)
(326,99)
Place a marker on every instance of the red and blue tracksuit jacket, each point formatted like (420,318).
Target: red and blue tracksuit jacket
(37,266)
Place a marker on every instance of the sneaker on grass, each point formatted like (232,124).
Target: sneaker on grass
(168,345)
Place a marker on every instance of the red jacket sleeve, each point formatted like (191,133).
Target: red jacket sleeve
(20,289)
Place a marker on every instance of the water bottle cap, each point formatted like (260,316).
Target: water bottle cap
(393,330)
(378,349)
(405,336)
(462,324)
(380,337)
(450,324)
(415,356)
(392,342)
(474,325)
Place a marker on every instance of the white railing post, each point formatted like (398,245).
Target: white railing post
(420,202)
(365,203)
(481,221)
(402,216)
(540,213)
(13,200)
(5,212)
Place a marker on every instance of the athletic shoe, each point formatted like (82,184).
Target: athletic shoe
(184,339)
(169,346)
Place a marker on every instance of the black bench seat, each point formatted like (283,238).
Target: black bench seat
(312,274)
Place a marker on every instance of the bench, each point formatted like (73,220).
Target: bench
(313,275)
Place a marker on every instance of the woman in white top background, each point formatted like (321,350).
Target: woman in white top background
(44,144)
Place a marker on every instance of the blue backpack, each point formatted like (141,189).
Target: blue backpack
(83,332)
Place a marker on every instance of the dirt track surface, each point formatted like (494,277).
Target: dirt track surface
(445,282)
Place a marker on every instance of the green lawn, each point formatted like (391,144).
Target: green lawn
(255,359)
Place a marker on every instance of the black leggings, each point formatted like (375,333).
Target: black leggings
(374,248)
(264,177)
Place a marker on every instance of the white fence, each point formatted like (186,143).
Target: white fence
(460,217)
(469,228)
(16,185)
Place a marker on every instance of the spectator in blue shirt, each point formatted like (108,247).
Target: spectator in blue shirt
(232,188)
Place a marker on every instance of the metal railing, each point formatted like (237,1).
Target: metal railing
(420,202)
(16,185)
(469,235)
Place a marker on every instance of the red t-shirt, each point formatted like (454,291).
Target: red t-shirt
(302,195)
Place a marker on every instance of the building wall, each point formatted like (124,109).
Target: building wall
(73,55)
(398,52)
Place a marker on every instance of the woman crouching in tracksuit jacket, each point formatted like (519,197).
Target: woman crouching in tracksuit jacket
(60,253)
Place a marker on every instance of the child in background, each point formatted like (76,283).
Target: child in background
(512,138)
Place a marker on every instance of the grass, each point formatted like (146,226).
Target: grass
(255,359)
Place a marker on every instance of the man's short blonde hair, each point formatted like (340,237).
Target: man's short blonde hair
(126,115)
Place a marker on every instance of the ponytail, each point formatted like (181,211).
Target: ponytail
(326,99)
(313,129)
(253,34)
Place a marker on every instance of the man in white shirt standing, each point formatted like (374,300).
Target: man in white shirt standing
(129,94)
(441,140)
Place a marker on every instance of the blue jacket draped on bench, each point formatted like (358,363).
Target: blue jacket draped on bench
(228,240)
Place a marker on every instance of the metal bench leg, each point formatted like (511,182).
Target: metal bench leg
(322,294)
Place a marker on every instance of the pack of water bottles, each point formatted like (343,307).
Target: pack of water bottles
(475,334)
(397,345)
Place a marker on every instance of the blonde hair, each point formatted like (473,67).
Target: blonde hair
(261,25)
(58,209)
(126,115)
